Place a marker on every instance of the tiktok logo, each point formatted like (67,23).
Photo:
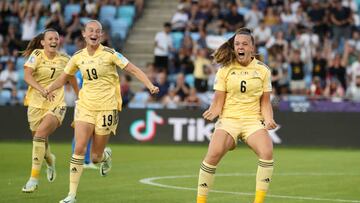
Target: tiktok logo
(145,130)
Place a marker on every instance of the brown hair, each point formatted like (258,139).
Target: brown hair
(225,54)
(35,43)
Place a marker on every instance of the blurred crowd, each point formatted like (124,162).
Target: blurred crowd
(22,20)
(312,48)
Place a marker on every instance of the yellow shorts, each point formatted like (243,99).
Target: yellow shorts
(240,128)
(105,121)
(35,115)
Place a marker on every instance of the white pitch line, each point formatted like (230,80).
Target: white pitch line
(150,181)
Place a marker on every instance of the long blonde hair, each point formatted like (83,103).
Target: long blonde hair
(35,43)
(225,54)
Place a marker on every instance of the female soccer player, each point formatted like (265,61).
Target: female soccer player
(242,102)
(43,66)
(99,100)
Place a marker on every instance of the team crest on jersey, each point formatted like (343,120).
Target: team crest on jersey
(31,59)
(256,74)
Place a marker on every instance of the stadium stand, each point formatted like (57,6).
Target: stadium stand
(312,47)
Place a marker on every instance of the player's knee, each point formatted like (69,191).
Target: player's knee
(214,157)
(41,133)
(265,154)
(96,158)
(79,150)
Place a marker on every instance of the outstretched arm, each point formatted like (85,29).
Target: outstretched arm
(140,75)
(216,106)
(59,82)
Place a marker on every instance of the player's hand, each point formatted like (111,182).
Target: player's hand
(210,114)
(44,92)
(270,124)
(50,96)
(154,90)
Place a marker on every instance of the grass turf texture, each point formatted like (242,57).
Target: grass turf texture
(299,172)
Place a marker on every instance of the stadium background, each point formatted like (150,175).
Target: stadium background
(312,48)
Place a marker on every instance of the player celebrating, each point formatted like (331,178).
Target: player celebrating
(43,66)
(99,100)
(242,102)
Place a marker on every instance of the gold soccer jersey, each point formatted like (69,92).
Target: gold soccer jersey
(45,71)
(244,85)
(101,86)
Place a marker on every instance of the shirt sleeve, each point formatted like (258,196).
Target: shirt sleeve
(120,60)
(267,82)
(71,67)
(219,83)
(33,59)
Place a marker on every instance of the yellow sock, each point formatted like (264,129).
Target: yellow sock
(259,196)
(263,179)
(76,168)
(48,157)
(206,180)
(38,153)
(201,199)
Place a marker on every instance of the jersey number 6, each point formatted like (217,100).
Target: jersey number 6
(243,86)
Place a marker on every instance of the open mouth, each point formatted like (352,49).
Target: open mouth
(241,53)
(53,45)
(93,39)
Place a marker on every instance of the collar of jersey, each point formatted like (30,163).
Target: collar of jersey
(100,47)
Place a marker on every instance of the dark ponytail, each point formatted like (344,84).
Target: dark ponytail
(35,43)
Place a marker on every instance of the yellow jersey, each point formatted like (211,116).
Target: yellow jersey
(45,71)
(101,85)
(244,86)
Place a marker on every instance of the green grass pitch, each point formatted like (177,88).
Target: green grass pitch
(308,175)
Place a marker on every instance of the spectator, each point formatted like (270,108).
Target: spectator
(297,82)
(163,84)
(171,100)
(126,93)
(316,88)
(353,92)
(201,70)
(334,90)
(337,69)
(319,64)
(9,77)
(234,20)
(192,100)
(163,46)
(253,17)
(180,19)
(341,18)
(181,88)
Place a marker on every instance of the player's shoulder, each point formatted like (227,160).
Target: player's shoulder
(108,50)
(78,52)
(37,52)
(262,65)
(64,56)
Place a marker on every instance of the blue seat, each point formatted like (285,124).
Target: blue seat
(120,27)
(195,36)
(177,38)
(84,20)
(71,9)
(107,14)
(126,11)
(40,27)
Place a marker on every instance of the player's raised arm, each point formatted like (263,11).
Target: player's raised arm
(140,75)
